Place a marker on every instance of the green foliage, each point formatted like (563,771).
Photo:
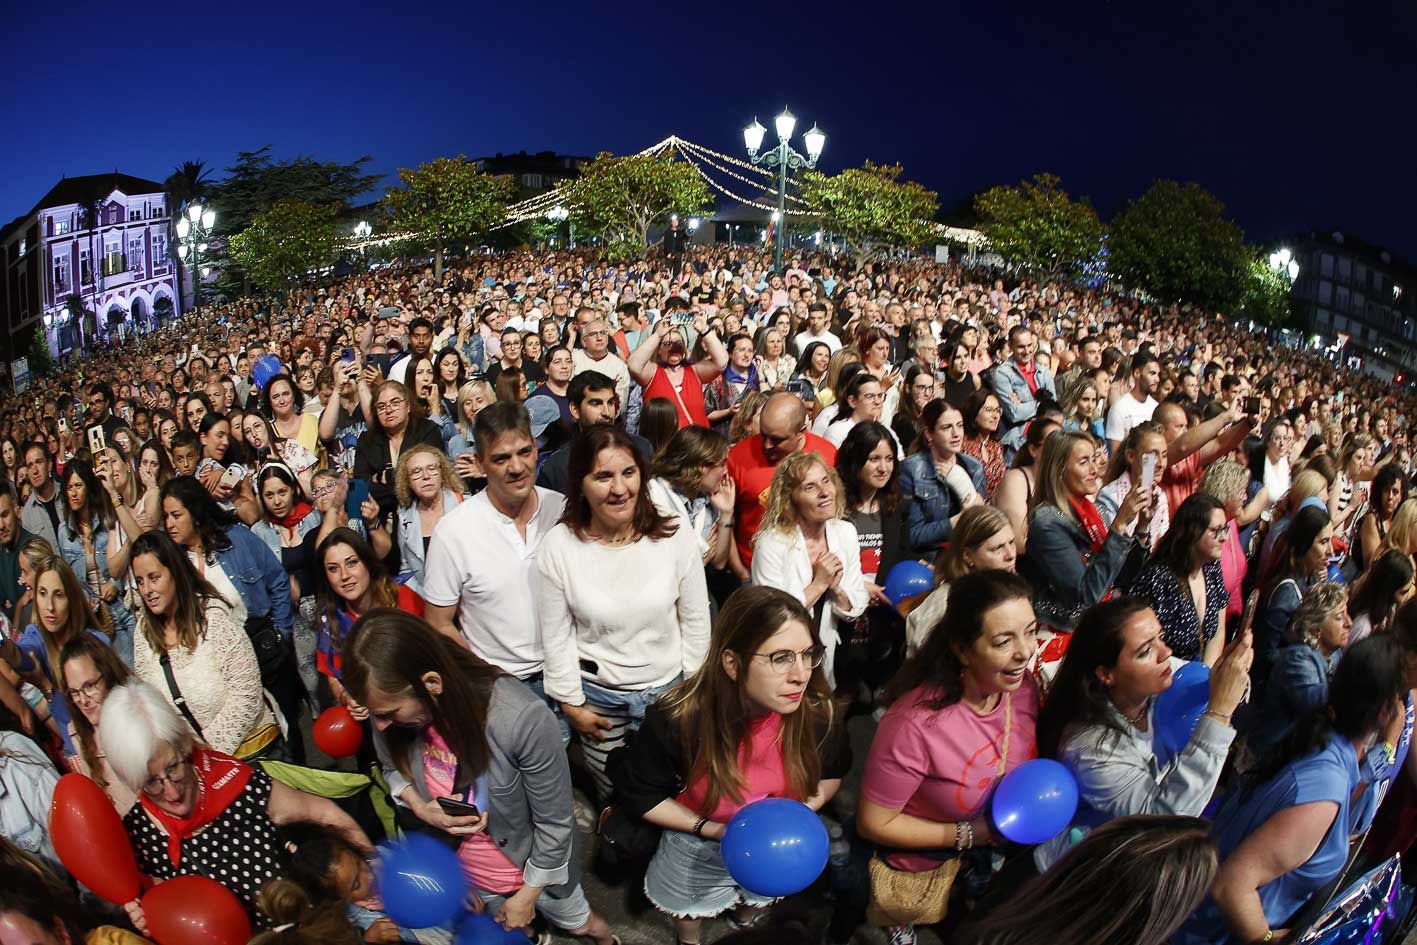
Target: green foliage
(1039,227)
(447,201)
(870,206)
(41,359)
(1266,297)
(1175,243)
(285,242)
(619,198)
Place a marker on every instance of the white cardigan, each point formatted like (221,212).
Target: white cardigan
(780,560)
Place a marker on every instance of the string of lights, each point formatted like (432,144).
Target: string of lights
(693,158)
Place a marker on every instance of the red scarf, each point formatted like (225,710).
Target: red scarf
(1091,521)
(297,513)
(220,781)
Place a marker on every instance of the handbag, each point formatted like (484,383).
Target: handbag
(271,652)
(625,839)
(900,897)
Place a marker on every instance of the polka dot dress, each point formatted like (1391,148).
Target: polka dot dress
(238,849)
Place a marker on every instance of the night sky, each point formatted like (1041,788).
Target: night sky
(1298,116)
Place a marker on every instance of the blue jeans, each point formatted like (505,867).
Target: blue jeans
(625,710)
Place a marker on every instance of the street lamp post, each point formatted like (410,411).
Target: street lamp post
(559,214)
(783,156)
(1283,262)
(193,228)
(362,231)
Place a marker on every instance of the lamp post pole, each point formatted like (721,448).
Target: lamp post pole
(193,228)
(783,156)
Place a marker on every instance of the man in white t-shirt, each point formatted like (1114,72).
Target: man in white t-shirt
(482,557)
(1137,404)
(818,329)
(597,356)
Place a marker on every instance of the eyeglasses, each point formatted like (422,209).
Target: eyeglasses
(175,774)
(1219,532)
(784,660)
(91,691)
(323,491)
(426,472)
(389,405)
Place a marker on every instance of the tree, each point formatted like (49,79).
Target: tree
(188,181)
(619,198)
(41,359)
(1039,227)
(285,242)
(1266,297)
(446,201)
(1175,243)
(870,206)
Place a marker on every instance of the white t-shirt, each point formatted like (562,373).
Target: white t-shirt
(478,560)
(804,338)
(1126,413)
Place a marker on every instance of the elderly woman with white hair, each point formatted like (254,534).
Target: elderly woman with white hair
(200,812)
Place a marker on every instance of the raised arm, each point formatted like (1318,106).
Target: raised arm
(641,363)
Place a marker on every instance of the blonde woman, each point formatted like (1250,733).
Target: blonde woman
(1402,533)
(775,365)
(806,547)
(827,395)
(472,397)
(983,540)
(427,487)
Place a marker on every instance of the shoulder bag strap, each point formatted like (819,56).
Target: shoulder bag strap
(166,662)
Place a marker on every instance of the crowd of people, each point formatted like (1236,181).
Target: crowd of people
(550,520)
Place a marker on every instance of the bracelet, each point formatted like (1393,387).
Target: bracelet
(699,827)
(1268,936)
(1222,717)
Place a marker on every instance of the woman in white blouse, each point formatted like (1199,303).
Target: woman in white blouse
(192,651)
(806,548)
(622,601)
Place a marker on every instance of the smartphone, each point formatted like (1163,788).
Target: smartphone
(1148,472)
(456,808)
(347,356)
(681,318)
(380,361)
(802,388)
(1252,406)
(354,499)
(97,441)
(63,425)
(233,475)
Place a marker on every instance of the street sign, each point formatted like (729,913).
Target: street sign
(20,373)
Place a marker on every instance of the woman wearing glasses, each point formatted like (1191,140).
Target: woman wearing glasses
(755,721)
(398,425)
(90,671)
(428,488)
(1185,583)
(201,812)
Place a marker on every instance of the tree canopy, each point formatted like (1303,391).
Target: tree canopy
(870,206)
(284,243)
(620,198)
(446,201)
(1037,225)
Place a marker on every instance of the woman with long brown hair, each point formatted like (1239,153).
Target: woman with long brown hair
(755,721)
(449,727)
(623,601)
(90,669)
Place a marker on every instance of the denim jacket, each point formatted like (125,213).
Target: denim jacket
(411,541)
(259,578)
(929,503)
(71,549)
(265,531)
(473,350)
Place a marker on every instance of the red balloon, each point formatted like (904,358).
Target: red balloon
(191,909)
(89,837)
(337,733)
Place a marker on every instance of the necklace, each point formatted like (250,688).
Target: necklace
(1136,722)
(624,539)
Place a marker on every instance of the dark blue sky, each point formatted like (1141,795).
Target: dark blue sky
(1298,115)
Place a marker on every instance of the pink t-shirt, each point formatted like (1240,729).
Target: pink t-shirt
(483,862)
(941,764)
(759,761)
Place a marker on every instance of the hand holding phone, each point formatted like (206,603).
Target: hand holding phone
(454,807)
(1148,471)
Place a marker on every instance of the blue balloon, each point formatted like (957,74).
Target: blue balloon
(265,369)
(479,928)
(421,882)
(775,847)
(1178,709)
(907,579)
(1035,802)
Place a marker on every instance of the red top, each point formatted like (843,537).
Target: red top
(759,762)
(690,396)
(752,475)
(327,648)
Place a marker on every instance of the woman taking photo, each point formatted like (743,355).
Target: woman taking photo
(62,614)
(449,726)
(1014,496)
(85,531)
(937,481)
(962,715)
(1286,834)
(1228,483)
(755,721)
(983,540)
(196,655)
(691,485)
(427,488)
(1073,558)
(351,581)
(660,364)
(982,415)
(1099,720)
(1185,584)
(91,671)
(1386,587)
(1127,469)
(398,425)
(623,602)
(805,547)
